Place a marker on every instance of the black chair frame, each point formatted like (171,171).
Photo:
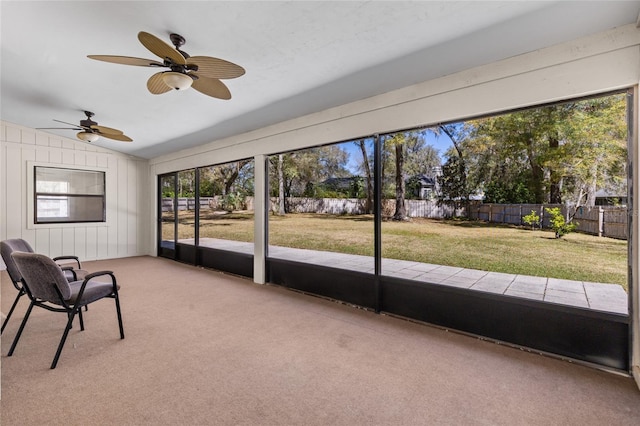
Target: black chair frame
(70,309)
(22,292)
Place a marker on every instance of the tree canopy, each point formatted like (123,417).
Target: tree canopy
(562,153)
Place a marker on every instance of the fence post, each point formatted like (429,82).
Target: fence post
(520,217)
(600,221)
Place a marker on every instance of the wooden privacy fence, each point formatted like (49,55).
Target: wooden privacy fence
(415,208)
(187,203)
(603,221)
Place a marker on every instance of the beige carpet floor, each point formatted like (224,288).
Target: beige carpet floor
(204,348)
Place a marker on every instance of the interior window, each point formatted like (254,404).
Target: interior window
(68,195)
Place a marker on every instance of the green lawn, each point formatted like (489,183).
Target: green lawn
(467,244)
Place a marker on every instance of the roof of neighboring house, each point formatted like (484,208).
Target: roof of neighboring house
(603,193)
(425,180)
(340,182)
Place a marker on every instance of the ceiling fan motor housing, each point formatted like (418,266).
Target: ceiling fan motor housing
(87,123)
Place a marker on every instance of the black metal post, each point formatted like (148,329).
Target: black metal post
(377,218)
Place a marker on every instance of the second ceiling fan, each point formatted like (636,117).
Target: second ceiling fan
(90,131)
(203,73)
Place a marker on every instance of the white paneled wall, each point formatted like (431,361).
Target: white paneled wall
(126,232)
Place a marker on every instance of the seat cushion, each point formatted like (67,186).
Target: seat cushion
(94,290)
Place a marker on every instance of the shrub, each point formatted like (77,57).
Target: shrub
(558,223)
(532,219)
(232,201)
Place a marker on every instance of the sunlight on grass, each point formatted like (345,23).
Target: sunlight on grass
(467,244)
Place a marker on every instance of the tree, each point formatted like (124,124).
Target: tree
(558,222)
(595,154)
(421,158)
(519,142)
(532,219)
(397,143)
(230,172)
(507,192)
(281,206)
(368,175)
(559,153)
(226,178)
(186,183)
(281,172)
(453,183)
(303,171)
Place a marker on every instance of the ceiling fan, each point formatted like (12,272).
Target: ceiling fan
(203,73)
(90,131)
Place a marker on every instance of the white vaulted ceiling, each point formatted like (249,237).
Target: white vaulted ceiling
(300,57)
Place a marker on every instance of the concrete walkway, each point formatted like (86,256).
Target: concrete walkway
(597,296)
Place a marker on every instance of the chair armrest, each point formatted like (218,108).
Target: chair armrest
(56,259)
(70,269)
(95,275)
(98,274)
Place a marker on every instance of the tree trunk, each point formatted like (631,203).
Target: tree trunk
(231,178)
(401,212)
(369,179)
(555,181)
(592,188)
(281,207)
(462,166)
(537,176)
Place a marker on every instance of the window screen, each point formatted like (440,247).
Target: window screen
(69,195)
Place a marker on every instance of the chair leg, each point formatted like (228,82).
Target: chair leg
(62,341)
(81,319)
(24,321)
(119,315)
(15,302)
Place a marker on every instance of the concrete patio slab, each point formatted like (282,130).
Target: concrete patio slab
(527,286)
(491,286)
(565,285)
(598,296)
(524,294)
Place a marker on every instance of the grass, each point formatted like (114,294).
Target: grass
(467,244)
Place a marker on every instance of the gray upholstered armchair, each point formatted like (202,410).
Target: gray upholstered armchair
(48,288)
(69,264)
